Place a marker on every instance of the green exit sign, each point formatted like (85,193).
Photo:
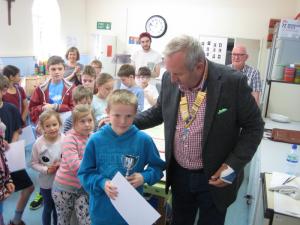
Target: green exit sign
(104,25)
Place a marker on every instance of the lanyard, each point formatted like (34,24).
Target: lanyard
(189,117)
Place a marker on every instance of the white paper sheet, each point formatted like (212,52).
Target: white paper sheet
(131,205)
(15,156)
(286,205)
(27,135)
(279,178)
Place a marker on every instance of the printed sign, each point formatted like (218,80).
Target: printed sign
(289,28)
(104,25)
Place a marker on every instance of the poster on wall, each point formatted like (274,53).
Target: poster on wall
(289,28)
(133,40)
(215,48)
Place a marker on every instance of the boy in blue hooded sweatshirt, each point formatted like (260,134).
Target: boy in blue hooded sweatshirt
(103,158)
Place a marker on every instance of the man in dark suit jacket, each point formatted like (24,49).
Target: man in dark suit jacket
(212,129)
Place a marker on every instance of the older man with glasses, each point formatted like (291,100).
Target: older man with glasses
(239,57)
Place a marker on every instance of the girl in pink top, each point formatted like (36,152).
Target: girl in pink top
(67,192)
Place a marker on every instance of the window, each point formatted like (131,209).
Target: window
(46,29)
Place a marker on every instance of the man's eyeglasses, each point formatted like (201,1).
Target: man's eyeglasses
(237,55)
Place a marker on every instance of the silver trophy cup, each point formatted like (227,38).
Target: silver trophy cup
(129,161)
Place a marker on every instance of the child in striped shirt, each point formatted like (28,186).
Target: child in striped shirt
(67,193)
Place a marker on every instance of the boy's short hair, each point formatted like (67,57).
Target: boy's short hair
(89,70)
(144,71)
(47,114)
(10,70)
(122,96)
(103,78)
(54,60)
(145,34)
(4,82)
(126,70)
(81,92)
(80,111)
(97,62)
(73,49)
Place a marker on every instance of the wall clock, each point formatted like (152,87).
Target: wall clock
(156,26)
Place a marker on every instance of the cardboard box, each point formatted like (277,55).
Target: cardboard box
(32,82)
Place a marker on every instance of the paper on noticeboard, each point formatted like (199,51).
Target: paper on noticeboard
(131,205)
(15,156)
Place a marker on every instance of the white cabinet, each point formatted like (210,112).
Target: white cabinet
(269,157)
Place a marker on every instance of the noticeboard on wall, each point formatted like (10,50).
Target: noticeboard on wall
(215,48)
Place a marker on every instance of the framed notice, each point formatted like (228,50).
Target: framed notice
(289,28)
(215,48)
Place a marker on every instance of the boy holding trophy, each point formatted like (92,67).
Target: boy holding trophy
(118,146)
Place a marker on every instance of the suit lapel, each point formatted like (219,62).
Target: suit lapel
(213,94)
(174,108)
(172,113)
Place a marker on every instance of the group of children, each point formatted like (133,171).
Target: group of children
(10,115)
(75,166)
(146,93)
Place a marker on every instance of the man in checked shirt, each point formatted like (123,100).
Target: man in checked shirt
(239,57)
(212,129)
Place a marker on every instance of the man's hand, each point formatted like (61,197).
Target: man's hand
(215,179)
(136,180)
(110,190)
(10,187)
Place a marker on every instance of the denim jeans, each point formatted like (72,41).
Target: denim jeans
(49,207)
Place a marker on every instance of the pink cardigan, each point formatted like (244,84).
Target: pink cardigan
(72,153)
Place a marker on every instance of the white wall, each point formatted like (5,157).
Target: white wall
(73,27)
(233,18)
(226,18)
(17,39)
(230,18)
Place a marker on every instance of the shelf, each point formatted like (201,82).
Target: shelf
(281,81)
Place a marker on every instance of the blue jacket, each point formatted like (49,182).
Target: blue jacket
(103,159)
